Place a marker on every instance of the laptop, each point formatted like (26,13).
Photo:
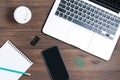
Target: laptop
(90,25)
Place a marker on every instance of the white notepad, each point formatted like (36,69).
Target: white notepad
(12,58)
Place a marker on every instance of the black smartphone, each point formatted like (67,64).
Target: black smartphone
(55,64)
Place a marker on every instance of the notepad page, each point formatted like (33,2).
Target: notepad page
(12,58)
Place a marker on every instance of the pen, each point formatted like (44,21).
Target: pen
(15,71)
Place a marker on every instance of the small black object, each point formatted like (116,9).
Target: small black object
(35,41)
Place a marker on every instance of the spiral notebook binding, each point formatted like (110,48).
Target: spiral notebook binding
(19,51)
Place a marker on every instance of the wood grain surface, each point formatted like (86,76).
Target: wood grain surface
(22,34)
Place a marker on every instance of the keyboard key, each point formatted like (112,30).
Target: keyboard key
(67,8)
(91,23)
(104,19)
(62,10)
(80,9)
(104,15)
(61,14)
(87,16)
(86,3)
(107,26)
(76,2)
(112,23)
(80,13)
(87,21)
(72,5)
(94,29)
(76,16)
(84,6)
(104,28)
(100,13)
(82,24)
(107,35)
(112,18)
(99,31)
(84,11)
(91,18)
(63,1)
(99,22)
(88,8)
(113,28)
(110,31)
(76,7)
(68,13)
(71,10)
(57,13)
(80,18)
(108,21)
(75,11)
(91,9)
(69,18)
(96,16)
(65,16)
(92,14)
(68,4)
(103,24)
(62,6)
(96,11)
(116,25)
(83,15)
(88,12)
(72,1)
(72,14)
(108,16)
(95,20)
(96,25)
(117,20)
(99,27)
(83,19)
(80,4)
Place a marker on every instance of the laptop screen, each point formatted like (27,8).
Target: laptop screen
(113,5)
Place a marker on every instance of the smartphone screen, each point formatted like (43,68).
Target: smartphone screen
(55,64)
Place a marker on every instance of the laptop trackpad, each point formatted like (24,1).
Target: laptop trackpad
(79,37)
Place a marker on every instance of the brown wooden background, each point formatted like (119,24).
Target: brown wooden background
(22,34)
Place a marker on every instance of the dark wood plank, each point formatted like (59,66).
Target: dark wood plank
(21,35)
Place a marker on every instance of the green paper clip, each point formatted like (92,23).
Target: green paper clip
(80,63)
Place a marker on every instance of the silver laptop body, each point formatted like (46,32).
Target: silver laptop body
(84,24)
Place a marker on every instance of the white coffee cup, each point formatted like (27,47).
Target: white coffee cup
(22,14)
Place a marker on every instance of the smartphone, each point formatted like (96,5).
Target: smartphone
(55,64)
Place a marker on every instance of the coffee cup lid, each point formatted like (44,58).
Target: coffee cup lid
(22,14)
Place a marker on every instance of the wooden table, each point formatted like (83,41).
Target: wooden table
(22,34)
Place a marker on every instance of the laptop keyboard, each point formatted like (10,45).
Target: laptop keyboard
(89,17)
